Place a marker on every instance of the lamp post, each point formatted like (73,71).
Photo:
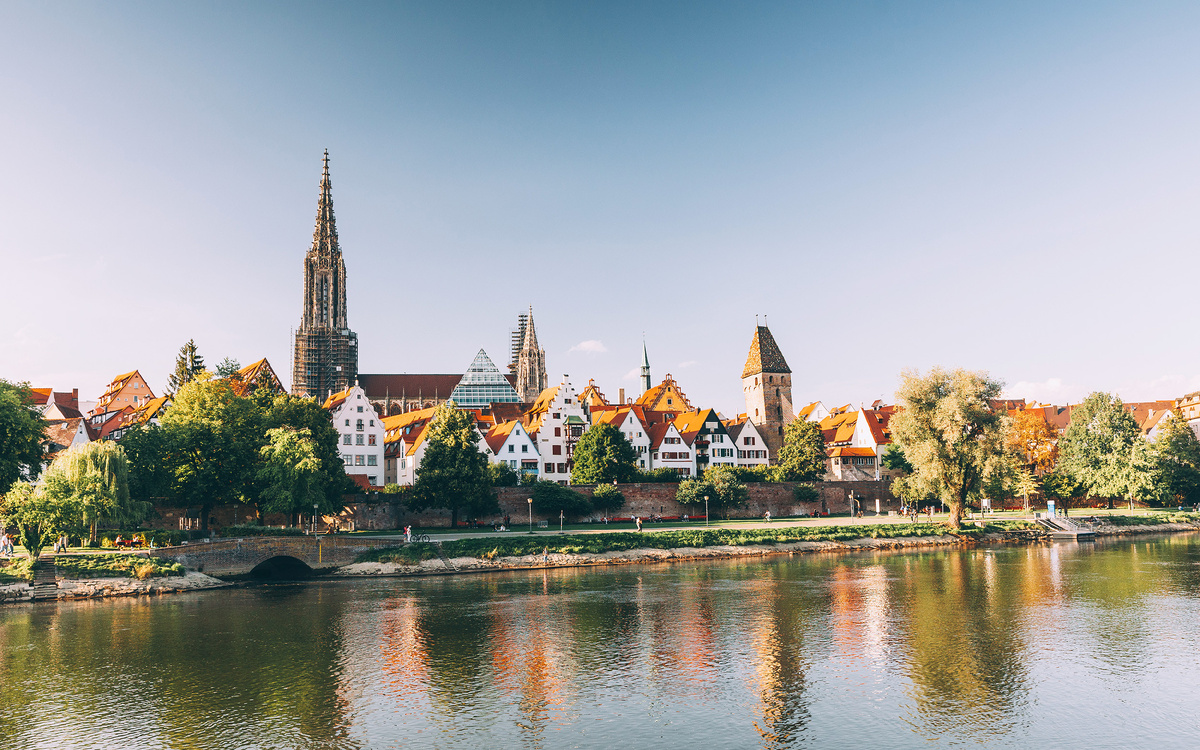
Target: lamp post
(314,523)
(706,510)
(560,522)
(530,501)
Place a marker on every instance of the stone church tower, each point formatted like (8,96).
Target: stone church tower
(326,354)
(531,365)
(767,385)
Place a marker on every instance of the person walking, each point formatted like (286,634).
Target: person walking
(545,555)
(407,534)
(767,516)
(638,520)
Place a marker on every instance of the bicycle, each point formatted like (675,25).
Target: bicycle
(419,538)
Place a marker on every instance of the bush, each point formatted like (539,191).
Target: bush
(805,493)
(255,530)
(409,554)
(502,475)
(550,498)
(16,570)
(607,497)
(160,537)
(661,475)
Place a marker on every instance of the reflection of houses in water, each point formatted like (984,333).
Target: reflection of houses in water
(404,660)
(778,623)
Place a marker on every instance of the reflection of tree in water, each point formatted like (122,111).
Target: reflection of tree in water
(785,610)
(959,614)
(272,677)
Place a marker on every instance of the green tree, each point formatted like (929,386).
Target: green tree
(802,457)
(94,478)
(661,475)
(1180,453)
(603,455)
(37,518)
(1061,486)
(453,473)
(805,493)
(895,460)
(215,438)
(949,433)
(21,435)
(227,369)
(501,474)
(188,364)
(549,498)
(150,476)
(298,413)
(1104,451)
(290,473)
(1027,484)
(607,498)
(719,484)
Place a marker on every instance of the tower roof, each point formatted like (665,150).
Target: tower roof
(530,334)
(483,384)
(325,239)
(764,355)
(645,355)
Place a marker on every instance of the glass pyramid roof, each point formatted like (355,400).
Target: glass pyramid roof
(483,384)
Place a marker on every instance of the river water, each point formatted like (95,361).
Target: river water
(1063,645)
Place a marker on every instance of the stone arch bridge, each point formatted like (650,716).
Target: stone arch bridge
(241,556)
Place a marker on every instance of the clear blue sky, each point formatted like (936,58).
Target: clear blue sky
(1009,186)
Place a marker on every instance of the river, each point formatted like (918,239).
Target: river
(1062,645)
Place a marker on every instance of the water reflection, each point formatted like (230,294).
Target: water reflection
(982,646)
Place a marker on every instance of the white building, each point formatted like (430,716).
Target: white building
(748,443)
(556,421)
(668,450)
(360,434)
(703,432)
(509,443)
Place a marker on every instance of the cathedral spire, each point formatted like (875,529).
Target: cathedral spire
(325,239)
(531,364)
(530,334)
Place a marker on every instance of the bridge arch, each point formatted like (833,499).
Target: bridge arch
(282,567)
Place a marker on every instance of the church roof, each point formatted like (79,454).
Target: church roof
(764,355)
(325,238)
(483,384)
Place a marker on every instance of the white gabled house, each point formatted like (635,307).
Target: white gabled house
(668,450)
(748,442)
(360,434)
(629,422)
(510,444)
(556,421)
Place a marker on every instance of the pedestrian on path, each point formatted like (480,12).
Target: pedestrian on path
(638,521)
(545,555)
(767,516)
(407,534)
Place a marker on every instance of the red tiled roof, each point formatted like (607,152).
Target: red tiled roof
(764,355)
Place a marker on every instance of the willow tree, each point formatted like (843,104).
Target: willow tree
(94,478)
(949,433)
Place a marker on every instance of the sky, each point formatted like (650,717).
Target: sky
(1007,186)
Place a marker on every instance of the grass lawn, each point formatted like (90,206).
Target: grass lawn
(16,570)
(492,547)
(115,565)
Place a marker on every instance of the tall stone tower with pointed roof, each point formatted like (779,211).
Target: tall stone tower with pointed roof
(767,385)
(531,364)
(326,354)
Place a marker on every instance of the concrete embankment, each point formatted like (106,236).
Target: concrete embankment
(88,588)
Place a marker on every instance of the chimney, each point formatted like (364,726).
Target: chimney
(621,396)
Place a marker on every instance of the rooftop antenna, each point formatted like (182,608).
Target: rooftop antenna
(756,321)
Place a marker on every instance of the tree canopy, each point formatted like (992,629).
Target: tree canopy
(802,457)
(453,472)
(1103,450)
(948,432)
(549,498)
(604,455)
(93,479)
(719,484)
(37,518)
(290,472)
(21,434)
(1179,451)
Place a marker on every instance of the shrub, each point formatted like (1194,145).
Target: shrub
(661,475)
(230,532)
(115,565)
(607,497)
(805,493)
(550,498)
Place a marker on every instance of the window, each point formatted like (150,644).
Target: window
(549,468)
(360,410)
(524,448)
(669,402)
(373,481)
(562,468)
(360,460)
(557,415)
(556,450)
(347,422)
(370,440)
(557,432)
(346,459)
(372,460)
(358,425)
(372,422)
(513,448)
(345,440)
(512,464)
(748,441)
(566,400)
(358,440)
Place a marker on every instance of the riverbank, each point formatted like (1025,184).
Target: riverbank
(447,565)
(91,588)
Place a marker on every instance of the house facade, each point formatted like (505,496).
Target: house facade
(360,434)
(556,421)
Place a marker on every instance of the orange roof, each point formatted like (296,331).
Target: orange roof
(336,399)
(111,391)
(838,427)
(657,432)
(143,413)
(692,422)
(848,451)
(496,436)
(653,398)
(41,396)
(764,355)
(254,376)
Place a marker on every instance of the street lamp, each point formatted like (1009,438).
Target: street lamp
(560,522)
(530,501)
(706,510)
(314,523)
